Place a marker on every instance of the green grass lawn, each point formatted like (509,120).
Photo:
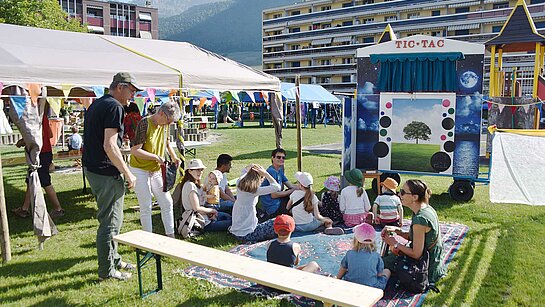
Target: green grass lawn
(413,157)
(499,263)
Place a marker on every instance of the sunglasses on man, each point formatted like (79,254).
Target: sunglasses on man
(281,157)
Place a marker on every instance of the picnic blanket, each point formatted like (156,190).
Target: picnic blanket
(328,251)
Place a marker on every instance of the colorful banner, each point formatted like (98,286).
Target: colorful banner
(234,96)
(98,90)
(214,101)
(140,102)
(19,102)
(202,100)
(34,90)
(151,93)
(55,104)
(66,88)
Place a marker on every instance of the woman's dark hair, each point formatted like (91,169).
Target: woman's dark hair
(188,177)
(419,188)
(132,108)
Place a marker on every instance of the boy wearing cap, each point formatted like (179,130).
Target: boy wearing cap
(388,205)
(284,252)
(103,165)
(362,264)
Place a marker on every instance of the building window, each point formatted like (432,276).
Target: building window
(368,20)
(462,10)
(372,1)
(436,33)
(296,64)
(537,1)
(496,29)
(326,25)
(348,4)
(461,32)
(325,8)
(540,24)
(346,79)
(347,23)
(277,16)
(347,60)
(436,13)
(390,18)
(295,13)
(324,80)
(501,5)
(413,15)
(295,30)
(325,62)
(277,65)
(295,47)
(367,40)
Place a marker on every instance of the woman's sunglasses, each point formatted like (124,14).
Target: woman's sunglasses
(403,192)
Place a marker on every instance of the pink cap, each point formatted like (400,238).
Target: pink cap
(364,233)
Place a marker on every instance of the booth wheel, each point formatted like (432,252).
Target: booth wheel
(383,177)
(461,190)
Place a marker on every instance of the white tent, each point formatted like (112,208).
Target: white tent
(200,68)
(51,57)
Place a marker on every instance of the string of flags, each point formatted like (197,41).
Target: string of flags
(513,107)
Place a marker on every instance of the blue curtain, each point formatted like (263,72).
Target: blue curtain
(417,72)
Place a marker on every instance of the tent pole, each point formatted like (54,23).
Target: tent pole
(4,227)
(298,122)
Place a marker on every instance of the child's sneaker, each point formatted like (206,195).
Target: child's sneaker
(334,231)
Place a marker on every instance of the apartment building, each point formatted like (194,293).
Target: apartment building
(318,39)
(114,18)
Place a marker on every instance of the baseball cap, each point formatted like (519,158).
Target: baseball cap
(304,178)
(364,233)
(284,222)
(125,77)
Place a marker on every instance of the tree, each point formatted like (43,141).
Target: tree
(417,131)
(38,13)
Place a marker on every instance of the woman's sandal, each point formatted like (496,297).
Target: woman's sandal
(20,212)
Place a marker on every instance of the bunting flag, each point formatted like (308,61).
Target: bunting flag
(202,100)
(489,105)
(55,104)
(234,96)
(526,107)
(193,92)
(98,90)
(214,101)
(151,93)
(217,95)
(140,102)
(34,90)
(501,106)
(513,110)
(172,92)
(66,88)
(252,97)
(265,97)
(19,102)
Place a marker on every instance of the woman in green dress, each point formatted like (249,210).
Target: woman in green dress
(424,233)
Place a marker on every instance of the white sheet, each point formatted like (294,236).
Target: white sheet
(518,166)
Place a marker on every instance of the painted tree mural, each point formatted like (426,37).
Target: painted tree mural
(417,131)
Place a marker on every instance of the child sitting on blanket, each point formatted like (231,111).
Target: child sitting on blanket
(388,205)
(362,264)
(329,206)
(284,252)
(304,208)
(212,188)
(354,203)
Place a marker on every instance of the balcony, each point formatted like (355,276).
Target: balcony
(319,51)
(144,26)
(313,70)
(122,24)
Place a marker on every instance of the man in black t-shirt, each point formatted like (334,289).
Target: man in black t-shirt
(103,164)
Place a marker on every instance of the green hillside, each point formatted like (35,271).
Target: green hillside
(231,28)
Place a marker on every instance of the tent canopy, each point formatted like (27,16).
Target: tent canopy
(309,93)
(51,57)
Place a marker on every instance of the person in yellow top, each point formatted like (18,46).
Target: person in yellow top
(147,154)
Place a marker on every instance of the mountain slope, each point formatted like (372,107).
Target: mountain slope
(231,30)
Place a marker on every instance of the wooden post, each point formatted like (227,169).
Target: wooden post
(298,123)
(4,227)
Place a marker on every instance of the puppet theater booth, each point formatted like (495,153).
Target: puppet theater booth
(418,111)
(41,65)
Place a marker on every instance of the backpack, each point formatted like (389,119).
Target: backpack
(412,274)
(190,224)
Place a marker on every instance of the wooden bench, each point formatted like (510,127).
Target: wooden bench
(329,290)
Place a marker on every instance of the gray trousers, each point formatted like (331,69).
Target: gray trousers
(109,192)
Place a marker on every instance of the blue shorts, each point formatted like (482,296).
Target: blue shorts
(308,226)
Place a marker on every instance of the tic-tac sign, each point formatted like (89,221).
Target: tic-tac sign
(420,43)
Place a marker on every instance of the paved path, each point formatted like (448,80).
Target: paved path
(324,148)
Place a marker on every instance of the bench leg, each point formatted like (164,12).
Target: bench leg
(141,262)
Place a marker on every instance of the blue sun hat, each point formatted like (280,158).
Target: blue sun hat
(355,177)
